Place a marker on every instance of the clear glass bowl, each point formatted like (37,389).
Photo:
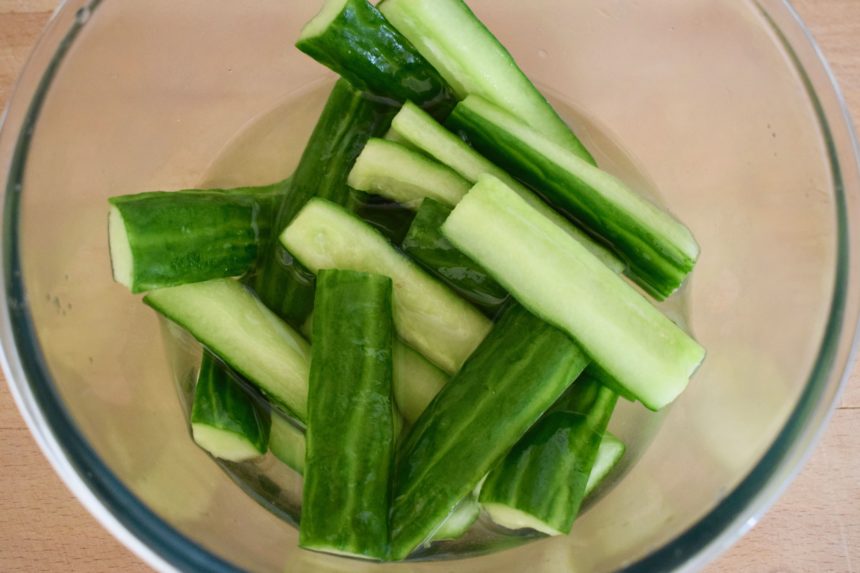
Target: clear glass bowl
(725,107)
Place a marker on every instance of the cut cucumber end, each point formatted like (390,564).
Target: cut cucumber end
(121,260)
(224,445)
(514,519)
(460,521)
(320,23)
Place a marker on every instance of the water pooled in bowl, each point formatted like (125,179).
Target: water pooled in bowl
(267,149)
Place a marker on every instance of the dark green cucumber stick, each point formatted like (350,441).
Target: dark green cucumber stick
(659,250)
(558,279)
(521,368)
(348,120)
(287,443)
(541,483)
(473,61)
(426,244)
(226,419)
(355,40)
(350,436)
(416,381)
(164,239)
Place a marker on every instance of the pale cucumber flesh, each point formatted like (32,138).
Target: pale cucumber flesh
(232,323)
(427,315)
(287,443)
(420,130)
(473,61)
(395,172)
(645,352)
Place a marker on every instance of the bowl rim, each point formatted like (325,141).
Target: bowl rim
(166,549)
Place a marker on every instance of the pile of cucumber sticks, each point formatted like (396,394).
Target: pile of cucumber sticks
(417,378)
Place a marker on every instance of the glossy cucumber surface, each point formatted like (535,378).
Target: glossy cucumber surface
(163,239)
(350,435)
(473,61)
(514,376)
(541,482)
(352,38)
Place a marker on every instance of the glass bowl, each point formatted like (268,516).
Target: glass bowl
(725,111)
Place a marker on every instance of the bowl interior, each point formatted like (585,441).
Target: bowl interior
(698,103)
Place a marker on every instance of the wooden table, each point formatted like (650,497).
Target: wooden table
(815,527)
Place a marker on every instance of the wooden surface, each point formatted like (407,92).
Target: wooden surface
(815,527)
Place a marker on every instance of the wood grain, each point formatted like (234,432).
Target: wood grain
(815,527)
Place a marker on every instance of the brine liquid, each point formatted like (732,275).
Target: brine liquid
(267,149)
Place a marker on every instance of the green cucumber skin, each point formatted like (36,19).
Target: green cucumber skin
(609,454)
(659,251)
(426,244)
(235,326)
(221,403)
(476,419)
(350,435)
(188,236)
(415,127)
(645,352)
(287,443)
(473,61)
(428,316)
(400,174)
(546,473)
(348,120)
(365,49)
